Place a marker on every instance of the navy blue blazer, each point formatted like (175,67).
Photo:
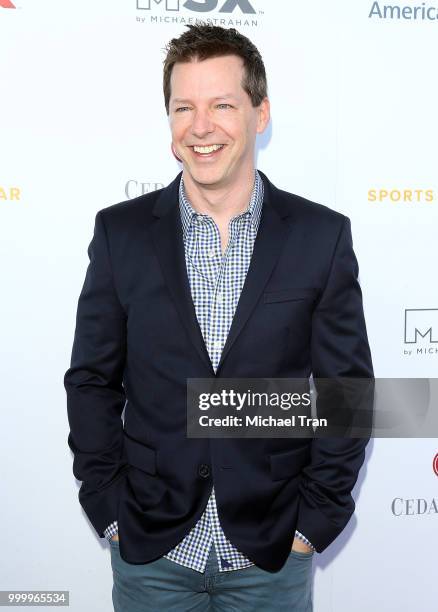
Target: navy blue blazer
(136,342)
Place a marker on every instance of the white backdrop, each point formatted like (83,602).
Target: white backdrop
(353,95)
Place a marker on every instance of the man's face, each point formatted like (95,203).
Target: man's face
(208,106)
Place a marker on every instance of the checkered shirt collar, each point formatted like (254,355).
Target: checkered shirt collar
(254,209)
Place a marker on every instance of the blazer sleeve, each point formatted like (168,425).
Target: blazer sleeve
(95,393)
(339,348)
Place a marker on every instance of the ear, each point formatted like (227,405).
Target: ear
(174,152)
(264,115)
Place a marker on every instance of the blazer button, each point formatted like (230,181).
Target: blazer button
(204,470)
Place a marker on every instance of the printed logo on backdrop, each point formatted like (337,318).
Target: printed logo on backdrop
(408,196)
(9,194)
(417,506)
(435,464)
(225,13)
(134,188)
(409,13)
(6,4)
(421,332)
(414,506)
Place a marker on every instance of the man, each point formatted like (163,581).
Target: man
(220,274)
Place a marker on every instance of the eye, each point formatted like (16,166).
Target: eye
(224,104)
(180,108)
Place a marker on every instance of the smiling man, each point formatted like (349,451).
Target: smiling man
(220,274)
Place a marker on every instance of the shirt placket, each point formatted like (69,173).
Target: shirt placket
(221,311)
(223,305)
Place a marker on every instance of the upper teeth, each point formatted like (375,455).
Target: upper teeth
(207,149)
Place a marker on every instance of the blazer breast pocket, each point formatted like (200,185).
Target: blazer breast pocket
(290,295)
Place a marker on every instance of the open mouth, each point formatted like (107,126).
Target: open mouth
(208,152)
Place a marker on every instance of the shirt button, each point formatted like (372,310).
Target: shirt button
(210,253)
(219,297)
(204,470)
(217,344)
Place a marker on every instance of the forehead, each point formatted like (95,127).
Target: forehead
(215,76)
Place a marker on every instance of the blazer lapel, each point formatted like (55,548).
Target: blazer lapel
(169,245)
(271,236)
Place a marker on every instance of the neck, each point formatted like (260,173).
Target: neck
(220,202)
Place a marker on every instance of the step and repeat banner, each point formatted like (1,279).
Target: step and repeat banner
(354,126)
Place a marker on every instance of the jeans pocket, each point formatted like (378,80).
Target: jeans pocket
(301,555)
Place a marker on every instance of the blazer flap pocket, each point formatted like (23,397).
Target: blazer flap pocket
(289,463)
(286,295)
(140,456)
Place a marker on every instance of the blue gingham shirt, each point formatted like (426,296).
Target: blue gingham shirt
(216,281)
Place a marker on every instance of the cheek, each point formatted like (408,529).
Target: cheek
(178,129)
(233,126)
(177,135)
(240,139)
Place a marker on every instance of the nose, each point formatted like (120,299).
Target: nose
(202,123)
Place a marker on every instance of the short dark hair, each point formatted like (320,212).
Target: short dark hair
(203,41)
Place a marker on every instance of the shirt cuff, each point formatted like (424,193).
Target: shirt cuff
(303,538)
(111,530)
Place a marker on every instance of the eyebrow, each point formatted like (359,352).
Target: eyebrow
(224,97)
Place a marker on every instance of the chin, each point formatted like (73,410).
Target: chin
(207,177)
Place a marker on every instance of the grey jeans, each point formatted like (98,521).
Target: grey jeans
(166,586)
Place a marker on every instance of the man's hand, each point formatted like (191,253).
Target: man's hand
(115,538)
(300,546)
